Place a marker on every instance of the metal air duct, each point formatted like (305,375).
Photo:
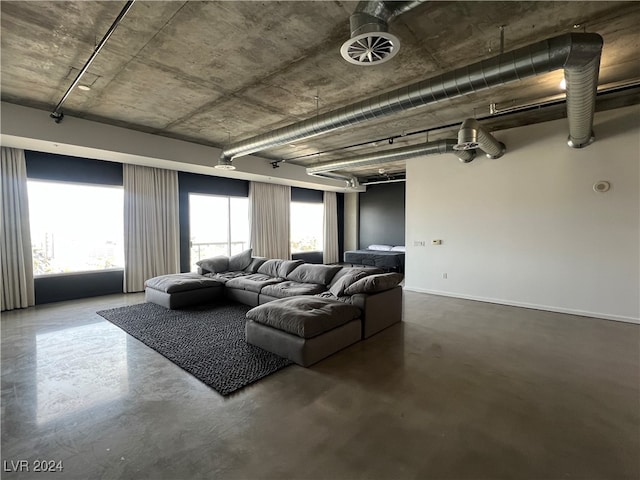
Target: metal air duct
(472,135)
(431,148)
(349,179)
(577,53)
(370,42)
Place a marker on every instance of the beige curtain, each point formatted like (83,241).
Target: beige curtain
(270,214)
(330,246)
(15,236)
(151,225)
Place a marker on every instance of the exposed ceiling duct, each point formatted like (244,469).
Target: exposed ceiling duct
(472,135)
(351,181)
(578,53)
(370,42)
(438,147)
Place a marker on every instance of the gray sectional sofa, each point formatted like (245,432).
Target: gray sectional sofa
(303,311)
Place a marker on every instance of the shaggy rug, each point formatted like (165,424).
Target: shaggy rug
(206,341)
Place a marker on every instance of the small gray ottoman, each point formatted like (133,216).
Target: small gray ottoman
(304,329)
(182,290)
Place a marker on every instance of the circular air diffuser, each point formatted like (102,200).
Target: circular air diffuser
(371,48)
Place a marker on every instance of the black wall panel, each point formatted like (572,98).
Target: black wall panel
(305,195)
(382,212)
(56,288)
(62,168)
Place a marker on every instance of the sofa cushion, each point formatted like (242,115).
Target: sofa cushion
(180,282)
(254,282)
(349,270)
(240,261)
(291,289)
(279,268)
(374,283)
(214,264)
(346,280)
(224,277)
(255,264)
(305,317)
(313,273)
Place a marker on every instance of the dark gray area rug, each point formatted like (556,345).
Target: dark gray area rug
(206,341)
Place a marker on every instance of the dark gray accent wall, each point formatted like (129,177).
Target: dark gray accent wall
(382,213)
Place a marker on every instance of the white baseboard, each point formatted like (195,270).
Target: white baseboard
(605,316)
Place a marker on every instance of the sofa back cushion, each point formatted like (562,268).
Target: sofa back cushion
(214,264)
(255,264)
(351,270)
(240,261)
(279,268)
(312,273)
(346,280)
(374,283)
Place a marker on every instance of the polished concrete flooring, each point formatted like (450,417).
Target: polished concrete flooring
(459,390)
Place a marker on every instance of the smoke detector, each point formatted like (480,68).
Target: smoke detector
(371,48)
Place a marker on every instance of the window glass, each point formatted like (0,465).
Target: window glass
(218,226)
(75,227)
(307,224)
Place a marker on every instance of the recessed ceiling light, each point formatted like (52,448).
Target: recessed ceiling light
(84,88)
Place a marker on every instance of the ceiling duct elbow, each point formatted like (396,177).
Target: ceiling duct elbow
(472,135)
(370,42)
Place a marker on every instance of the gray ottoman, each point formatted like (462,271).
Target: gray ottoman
(303,329)
(182,290)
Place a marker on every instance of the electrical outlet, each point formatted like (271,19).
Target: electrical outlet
(436,242)
(444,276)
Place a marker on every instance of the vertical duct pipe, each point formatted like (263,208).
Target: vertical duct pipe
(578,53)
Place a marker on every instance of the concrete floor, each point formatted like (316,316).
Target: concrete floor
(459,390)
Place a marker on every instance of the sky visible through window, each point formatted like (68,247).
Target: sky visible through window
(75,227)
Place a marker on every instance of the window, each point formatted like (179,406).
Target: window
(218,226)
(75,227)
(307,227)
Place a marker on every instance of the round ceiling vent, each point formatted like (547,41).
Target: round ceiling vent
(371,48)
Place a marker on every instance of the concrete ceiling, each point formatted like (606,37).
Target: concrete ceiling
(214,72)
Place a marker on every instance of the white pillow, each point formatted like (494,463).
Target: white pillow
(399,248)
(379,247)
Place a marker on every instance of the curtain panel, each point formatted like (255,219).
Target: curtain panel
(330,252)
(15,248)
(151,225)
(270,217)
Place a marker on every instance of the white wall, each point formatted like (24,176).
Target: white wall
(32,129)
(528,229)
